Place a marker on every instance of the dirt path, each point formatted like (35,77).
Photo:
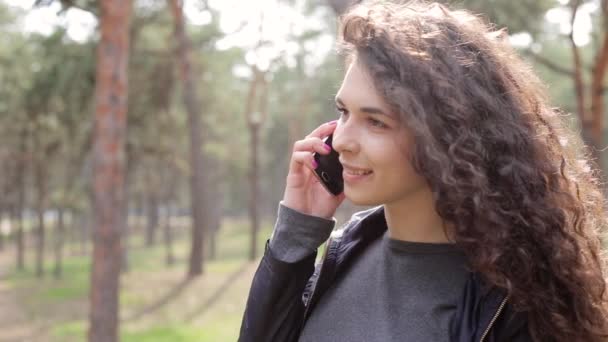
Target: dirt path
(14,323)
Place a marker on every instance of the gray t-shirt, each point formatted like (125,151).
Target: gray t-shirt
(394,291)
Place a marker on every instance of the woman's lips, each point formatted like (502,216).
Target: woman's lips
(352,176)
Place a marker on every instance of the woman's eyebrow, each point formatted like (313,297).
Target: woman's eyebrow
(369,110)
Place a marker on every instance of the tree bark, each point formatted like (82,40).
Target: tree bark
(591,119)
(5,213)
(61,236)
(578,74)
(169,194)
(215,216)
(111,90)
(126,232)
(197,175)
(151,210)
(85,228)
(597,92)
(256,113)
(20,199)
(40,208)
(254,130)
(253,121)
(168,236)
(59,242)
(18,222)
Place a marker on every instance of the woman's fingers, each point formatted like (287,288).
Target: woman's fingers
(302,149)
(323,130)
(302,187)
(303,153)
(301,158)
(311,145)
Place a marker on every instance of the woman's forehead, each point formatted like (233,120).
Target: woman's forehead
(358,91)
(358,88)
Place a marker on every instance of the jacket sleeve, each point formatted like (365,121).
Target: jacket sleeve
(275,306)
(275,309)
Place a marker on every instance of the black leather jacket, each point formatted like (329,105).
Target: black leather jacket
(283,295)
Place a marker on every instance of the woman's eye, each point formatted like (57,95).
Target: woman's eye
(341,111)
(377,123)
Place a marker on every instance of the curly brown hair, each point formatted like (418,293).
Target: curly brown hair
(519,187)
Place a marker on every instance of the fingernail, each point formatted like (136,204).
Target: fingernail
(327,147)
(314,164)
(331,123)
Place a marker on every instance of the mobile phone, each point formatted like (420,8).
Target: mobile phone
(329,170)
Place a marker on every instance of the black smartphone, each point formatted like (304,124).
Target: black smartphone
(329,170)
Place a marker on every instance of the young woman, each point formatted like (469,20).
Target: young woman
(488,216)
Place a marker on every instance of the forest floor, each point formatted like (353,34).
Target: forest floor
(157,302)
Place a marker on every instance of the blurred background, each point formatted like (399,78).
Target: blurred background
(144,147)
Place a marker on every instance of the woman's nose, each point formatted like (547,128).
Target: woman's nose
(344,138)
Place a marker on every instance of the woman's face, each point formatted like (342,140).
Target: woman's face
(372,144)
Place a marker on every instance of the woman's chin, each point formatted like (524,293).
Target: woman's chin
(360,199)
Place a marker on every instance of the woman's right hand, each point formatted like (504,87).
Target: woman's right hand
(303,191)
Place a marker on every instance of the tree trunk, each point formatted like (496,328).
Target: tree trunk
(111,90)
(215,215)
(61,237)
(126,233)
(295,129)
(168,236)
(254,129)
(254,113)
(140,211)
(59,242)
(19,241)
(40,240)
(168,195)
(192,104)
(597,93)
(73,231)
(591,119)
(214,227)
(152,221)
(40,208)
(85,228)
(212,242)
(152,215)
(5,214)
(125,266)
(20,200)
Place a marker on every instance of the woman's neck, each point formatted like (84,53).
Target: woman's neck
(415,219)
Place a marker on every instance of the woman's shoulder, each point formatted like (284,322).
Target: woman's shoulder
(363,214)
(359,220)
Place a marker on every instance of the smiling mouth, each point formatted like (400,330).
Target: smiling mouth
(358,172)
(355,176)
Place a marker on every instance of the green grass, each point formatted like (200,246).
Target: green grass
(73,290)
(73,285)
(64,302)
(69,331)
(76,331)
(176,333)
(76,270)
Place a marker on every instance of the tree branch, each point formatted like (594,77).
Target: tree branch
(578,75)
(548,63)
(90,6)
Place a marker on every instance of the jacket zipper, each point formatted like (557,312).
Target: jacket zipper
(314,289)
(500,308)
